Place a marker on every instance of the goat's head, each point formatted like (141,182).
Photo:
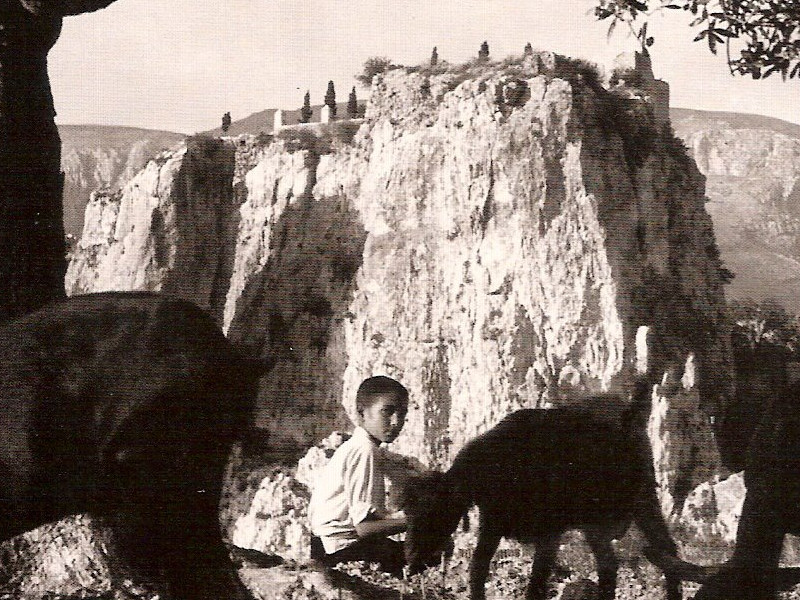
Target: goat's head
(433,508)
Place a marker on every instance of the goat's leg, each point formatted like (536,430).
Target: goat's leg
(481,559)
(607,564)
(543,560)
(650,519)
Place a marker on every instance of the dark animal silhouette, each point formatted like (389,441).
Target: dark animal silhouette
(535,475)
(31,182)
(125,405)
(771,509)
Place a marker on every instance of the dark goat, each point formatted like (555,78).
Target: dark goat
(535,475)
(771,510)
(125,405)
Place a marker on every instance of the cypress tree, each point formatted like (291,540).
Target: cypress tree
(306,112)
(352,104)
(434,57)
(330,99)
(226,122)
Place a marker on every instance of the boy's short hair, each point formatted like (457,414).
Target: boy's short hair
(373,386)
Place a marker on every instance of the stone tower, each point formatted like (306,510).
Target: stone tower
(635,70)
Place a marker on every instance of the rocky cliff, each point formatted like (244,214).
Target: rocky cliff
(492,236)
(95,157)
(752,167)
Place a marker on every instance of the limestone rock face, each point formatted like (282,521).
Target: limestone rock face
(65,558)
(713,508)
(492,237)
(685,452)
(103,158)
(712,511)
(168,229)
(277,522)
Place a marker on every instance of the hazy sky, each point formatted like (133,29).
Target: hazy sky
(180,64)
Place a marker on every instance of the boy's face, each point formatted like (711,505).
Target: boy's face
(384,418)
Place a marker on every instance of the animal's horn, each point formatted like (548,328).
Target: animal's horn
(685,570)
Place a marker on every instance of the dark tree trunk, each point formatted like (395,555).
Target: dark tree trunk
(32,249)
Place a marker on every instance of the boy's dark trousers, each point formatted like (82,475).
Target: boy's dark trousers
(387,553)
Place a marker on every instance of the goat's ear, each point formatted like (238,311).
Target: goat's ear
(465,522)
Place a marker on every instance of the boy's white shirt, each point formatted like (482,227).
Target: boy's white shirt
(348,489)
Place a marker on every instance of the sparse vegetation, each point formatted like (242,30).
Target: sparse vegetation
(765,324)
(317,138)
(574,576)
(373,66)
(297,140)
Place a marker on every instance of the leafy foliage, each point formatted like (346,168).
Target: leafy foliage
(373,66)
(766,33)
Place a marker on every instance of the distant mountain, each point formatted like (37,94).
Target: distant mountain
(97,156)
(752,167)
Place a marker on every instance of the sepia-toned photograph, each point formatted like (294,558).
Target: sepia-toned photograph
(399,300)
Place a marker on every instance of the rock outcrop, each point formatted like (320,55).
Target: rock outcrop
(103,158)
(492,237)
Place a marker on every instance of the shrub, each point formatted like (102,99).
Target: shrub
(298,139)
(373,66)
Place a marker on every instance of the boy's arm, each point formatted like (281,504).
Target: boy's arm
(364,498)
(372,526)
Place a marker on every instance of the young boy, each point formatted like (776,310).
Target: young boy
(348,503)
